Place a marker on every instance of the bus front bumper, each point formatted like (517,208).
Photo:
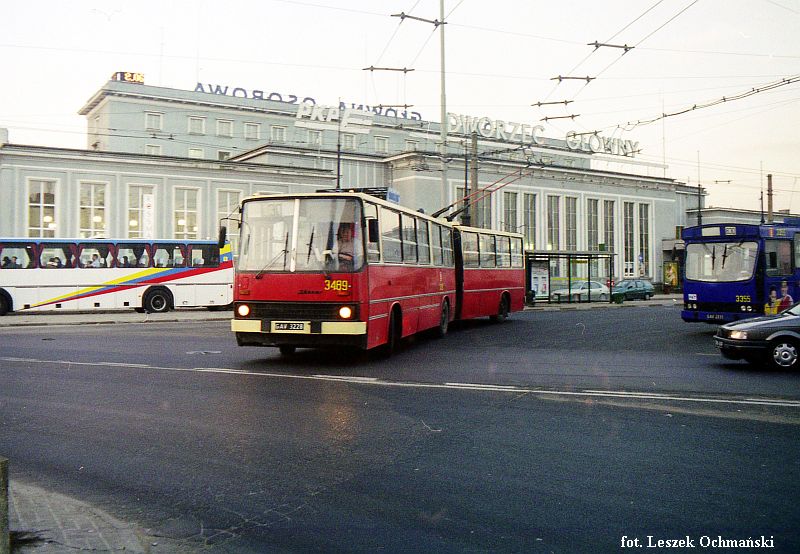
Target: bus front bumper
(258,332)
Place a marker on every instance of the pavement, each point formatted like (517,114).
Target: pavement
(55,523)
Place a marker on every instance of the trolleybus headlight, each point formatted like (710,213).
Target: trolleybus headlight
(739,335)
(345,312)
(243,310)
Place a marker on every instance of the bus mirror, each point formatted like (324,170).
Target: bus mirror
(372,230)
(223,234)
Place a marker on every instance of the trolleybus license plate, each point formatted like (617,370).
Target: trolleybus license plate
(291,327)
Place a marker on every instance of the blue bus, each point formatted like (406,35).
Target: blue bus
(734,271)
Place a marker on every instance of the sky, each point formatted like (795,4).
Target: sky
(501,57)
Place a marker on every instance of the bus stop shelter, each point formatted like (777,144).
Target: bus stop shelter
(554,270)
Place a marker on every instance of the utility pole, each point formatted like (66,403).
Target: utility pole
(699,204)
(339,147)
(476,216)
(466,219)
(769,198)
(444,106)
(443,132)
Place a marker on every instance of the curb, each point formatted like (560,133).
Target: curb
(54,523)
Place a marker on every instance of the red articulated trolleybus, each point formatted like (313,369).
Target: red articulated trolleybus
(350,269)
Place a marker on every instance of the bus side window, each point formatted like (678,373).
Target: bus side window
(447,247)
(503,252)
(390,236)
(371,218)
(423,241)
(436,242)
(469,247)
(409,239)
(204,255)
(517,258)
(487,251)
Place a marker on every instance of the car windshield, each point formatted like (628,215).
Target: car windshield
(301,234)
(721,261)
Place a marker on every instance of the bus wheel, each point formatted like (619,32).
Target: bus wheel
(783,354)
(444,320)
(286,349)
(395,331)
(3,306)
(157,301)
(502,310)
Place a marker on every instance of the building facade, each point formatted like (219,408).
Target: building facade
(191,155)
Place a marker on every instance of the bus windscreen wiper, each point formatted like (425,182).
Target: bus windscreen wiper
(283,253)
(310,245)
(724,256)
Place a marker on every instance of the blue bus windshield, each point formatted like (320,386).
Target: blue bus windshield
(721,262)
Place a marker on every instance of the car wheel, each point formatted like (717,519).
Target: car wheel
(603,298)
(3,306)
(783,353)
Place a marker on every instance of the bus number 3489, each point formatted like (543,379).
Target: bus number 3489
(339,285)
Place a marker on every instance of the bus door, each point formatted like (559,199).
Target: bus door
(781,286)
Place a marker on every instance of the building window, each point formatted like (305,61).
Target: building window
(277,133)
(592,224)
(644,240)
(92,210)
(252,131)
(348,141)
(223,155)
(628,256)
(141,212)
(227,206)
(197,125)
(510,211)
(196,153)
(315,138)
(152,149)
(41,208)
(553,216)
(382,145)
(608,224)
(153,121)
(224,128)
(529,220)
(185,215)
(411,145)
(571,221)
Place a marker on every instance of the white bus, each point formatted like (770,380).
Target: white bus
(48,274)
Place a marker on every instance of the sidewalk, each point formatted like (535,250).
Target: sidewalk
(657,300)
(54,523)
(130,316)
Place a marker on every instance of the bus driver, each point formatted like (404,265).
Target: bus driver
(345,251)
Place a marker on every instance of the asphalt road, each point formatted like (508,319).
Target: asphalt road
(555,431)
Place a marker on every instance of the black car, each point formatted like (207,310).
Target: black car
(774,340)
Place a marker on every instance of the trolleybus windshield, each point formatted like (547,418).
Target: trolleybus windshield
(721,261)
(301,234)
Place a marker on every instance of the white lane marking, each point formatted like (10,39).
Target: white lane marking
(347,378)
(589,393)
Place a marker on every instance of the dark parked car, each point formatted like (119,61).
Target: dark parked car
(633,289)
(774,340)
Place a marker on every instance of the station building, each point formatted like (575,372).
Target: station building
(162,162)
